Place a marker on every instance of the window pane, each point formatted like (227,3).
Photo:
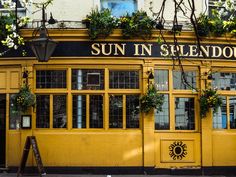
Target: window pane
(178,80)
(96,111)
(161,79)
(224,81)
(184,114)
(124,79)
(79,111)
(87,79)
(51,79)
(116,111)
(162,121)
(119,7)
(59,111)
(42,112)
(14,118)
(132,111)
(232,106)
(220,117)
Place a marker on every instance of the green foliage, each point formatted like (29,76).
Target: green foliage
(222,20)
(209,99)
(151,100)
(101,23)
(139,24)
(4,20)
(23,100)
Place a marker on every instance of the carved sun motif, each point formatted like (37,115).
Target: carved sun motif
(178,150)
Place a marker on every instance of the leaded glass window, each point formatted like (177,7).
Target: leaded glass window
(59,111)
(14,118)
(96,111)
(79,111)
(220,116)
(184,114)
(224,80)
(87,79)
(124,79)
(42,111)
(162,120)
(184,80)
(116,111)
(232,113)
(161,79)
(51,79)
(132,111)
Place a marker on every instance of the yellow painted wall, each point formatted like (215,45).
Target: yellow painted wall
(92,148)
(224,148)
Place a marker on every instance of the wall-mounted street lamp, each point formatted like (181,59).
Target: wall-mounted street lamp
(44,46)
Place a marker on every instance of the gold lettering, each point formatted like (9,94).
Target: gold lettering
(104,49)
(164,50)
(121,49)
(136,49)
(214,51)
(193,51)
(204,50)
(95,49)
(225,52)
(146,49)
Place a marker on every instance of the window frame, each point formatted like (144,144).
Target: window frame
(174,93)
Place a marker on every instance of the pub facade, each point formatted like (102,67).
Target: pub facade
(87,104)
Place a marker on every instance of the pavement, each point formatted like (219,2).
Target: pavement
(90,175)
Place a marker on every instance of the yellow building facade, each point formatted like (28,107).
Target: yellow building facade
(86,113)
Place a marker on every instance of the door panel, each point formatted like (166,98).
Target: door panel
(2,130)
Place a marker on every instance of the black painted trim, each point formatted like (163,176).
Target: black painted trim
(228,171)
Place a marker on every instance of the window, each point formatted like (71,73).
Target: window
(87,79)
(220,116)
(116,111)
(162,121)
(224,80)
(176,106)
(124,79)
(42,111)
(96,111)
(79,111)
(132,111)
(119,7)
(59,111)
(179,78)
(184,114)
(225,117)
(161,79)
(14,119)
(51,79)
(59,119)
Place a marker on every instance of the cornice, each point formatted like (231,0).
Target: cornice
(82,35)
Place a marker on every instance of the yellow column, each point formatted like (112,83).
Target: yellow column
(206,125)
(148,123)
(28,132)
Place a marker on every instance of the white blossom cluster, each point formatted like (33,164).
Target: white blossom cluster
(13,39)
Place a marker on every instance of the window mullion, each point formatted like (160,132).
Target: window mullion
(124,111)
(51,111)
(228,112)
(87,111)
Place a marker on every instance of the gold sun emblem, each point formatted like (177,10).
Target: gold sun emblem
(178,150)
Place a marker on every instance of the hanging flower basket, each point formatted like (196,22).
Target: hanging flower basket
(151,100)
(209,99)
(23,100)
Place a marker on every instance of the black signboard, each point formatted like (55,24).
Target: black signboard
(31,141)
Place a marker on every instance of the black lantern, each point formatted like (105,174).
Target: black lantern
(44,46)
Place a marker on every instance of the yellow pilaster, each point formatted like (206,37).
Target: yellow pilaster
(206,124)
(148,123)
